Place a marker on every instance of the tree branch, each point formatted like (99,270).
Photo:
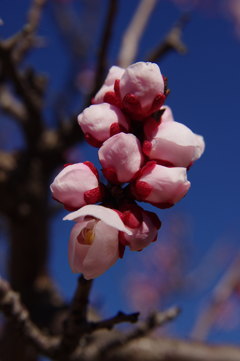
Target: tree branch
(111,322)
(76,322)
(172,41)
(12,106)
(222,292)
(134,32)
(11,306)
(22,41)
(104,45)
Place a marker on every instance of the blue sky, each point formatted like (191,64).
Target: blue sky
(205,94)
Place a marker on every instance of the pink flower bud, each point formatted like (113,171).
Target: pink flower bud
(115,72)
(101,121)
(172,143)
(121,157)
(141,89)
(160,186)
(94,244)
(77,185)
(143,224)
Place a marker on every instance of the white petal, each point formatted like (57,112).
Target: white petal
(107,215)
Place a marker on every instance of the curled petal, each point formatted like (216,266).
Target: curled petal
(107,215)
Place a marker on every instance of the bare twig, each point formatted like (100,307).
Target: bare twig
(10,105)
(134,32)
(11,306)
(172,41)
(111,322)
(76,322)
(22,41)
(104,45)
(154,320)
(221,293)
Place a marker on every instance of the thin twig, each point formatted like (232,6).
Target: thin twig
(12,307)
(153,321)
(134,32)
(10,105)
(22,41)
(221,293)
(104,46)
(172,41)
(76,322)
(111,322)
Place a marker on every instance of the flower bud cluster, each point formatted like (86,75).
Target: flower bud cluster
(144,155)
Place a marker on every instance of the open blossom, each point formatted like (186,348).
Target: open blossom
(77,185)
(115,72)
(121,157)
(161,186)
(94,240)
(130,100)
(100,121)
(141,89)
(172,143)
(143,224)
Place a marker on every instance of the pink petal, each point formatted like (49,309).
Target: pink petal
(175,143)
(76,251)
(145,230)
(166,186)
(96,121)
(71,183)
(122,154)
(144,81)
(103,253)
(107,215)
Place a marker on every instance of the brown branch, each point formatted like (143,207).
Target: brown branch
(104,46)
(22,41)
(10,105)
(111,322)
(137,349)
(154,320)
(172,41)
(12,307)
(134,32)
(76,322)
(163,349)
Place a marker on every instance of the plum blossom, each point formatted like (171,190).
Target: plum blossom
(172,143)
(161,186)
(139,143)
(100,121)
(77,185)
(141,89)
(121,157)
(93,243)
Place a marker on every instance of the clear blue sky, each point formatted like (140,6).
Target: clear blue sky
(205,95)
